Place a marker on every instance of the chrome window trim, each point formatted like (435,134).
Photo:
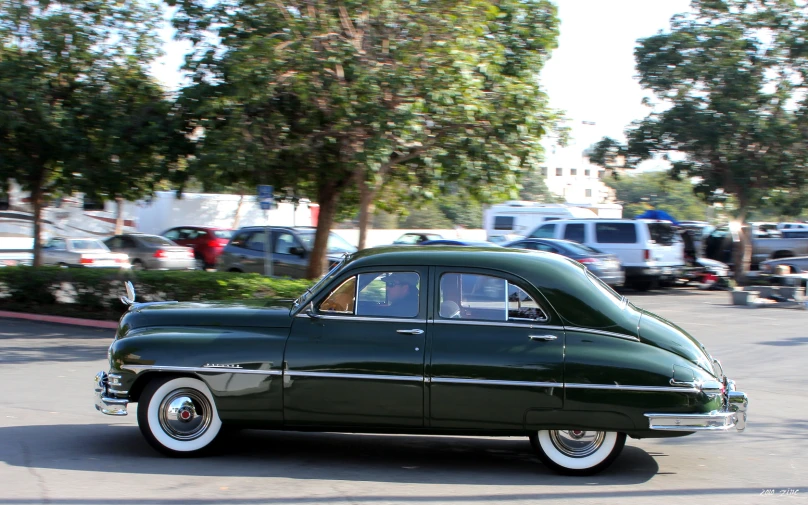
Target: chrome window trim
(337,375)
(499,324)
(161,368)
(602,332)
(487,382)
(617,387)
(408,320)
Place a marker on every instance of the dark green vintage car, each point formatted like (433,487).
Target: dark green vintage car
(444,340)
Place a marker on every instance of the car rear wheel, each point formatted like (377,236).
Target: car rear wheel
(138,265)
(177,416)
(577,452)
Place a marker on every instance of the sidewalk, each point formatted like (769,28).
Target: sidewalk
(93,323)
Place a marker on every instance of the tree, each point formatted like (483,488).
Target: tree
(735,75)
(656,190)
(51,54)
(341,97)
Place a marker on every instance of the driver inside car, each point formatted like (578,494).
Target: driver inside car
(402,294)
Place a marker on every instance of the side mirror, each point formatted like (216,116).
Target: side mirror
(310,312)
(297,251)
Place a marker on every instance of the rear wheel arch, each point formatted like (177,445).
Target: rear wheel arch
(782,254)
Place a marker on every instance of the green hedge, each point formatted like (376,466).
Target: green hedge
(95,293)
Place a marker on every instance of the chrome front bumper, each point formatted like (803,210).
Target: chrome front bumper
(105,403)
(731,415)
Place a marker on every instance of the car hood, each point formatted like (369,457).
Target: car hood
(209,314)
(657,331)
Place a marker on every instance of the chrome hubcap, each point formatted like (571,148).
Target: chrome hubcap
(185,414)
(577,443)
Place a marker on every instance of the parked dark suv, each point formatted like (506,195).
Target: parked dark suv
(290,253)
(208,243)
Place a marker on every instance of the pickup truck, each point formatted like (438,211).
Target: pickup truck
(718,246)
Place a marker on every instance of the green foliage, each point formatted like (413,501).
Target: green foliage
(732,77)
(656,190)
(324,96)
(56,57)
(96,292)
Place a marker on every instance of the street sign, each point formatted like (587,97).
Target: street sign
(266,196)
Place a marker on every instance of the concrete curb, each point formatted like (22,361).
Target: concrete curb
(59,319)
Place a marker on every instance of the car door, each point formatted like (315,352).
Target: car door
(55,252)
(351,362)
(497,351)
(288,255)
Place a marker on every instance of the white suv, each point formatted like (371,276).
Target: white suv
(651,251)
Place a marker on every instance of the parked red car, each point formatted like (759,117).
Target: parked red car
(208,243)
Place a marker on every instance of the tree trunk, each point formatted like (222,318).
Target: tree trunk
(741,248)
(237,218)
(118,215)
(327,198)
(366,196)
(36,202)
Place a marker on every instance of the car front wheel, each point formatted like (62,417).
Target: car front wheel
(577,452)
(178,416)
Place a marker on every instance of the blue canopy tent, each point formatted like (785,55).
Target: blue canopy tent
(657,214)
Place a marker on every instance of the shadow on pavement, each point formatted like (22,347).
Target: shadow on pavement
(305,456)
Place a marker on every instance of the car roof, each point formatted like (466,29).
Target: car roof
(525,263)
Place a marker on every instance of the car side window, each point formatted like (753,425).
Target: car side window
(574,232)
(284,243)
(257,241)
(546,248)
(58,244)
(240,240)
(114,243)
(342,300)
(377,294)
(128,242)
(544,231)
(485,298)
(172,234)
(615,233)
(409,239)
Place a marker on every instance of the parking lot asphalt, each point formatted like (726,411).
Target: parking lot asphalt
(55,448)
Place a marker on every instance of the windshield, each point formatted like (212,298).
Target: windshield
(304,298)
(336,244)
(581,249)
(88,245)
(155,240)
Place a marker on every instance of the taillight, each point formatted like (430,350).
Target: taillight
(189,253)
(648,254)
(86,261)
(121,260)
(159,253)
(218,242)
(587,260)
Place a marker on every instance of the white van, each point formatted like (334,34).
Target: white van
(651,251)
(515,219)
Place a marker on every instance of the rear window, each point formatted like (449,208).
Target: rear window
(503,222)
(616,233)
(223,234)
(661,233)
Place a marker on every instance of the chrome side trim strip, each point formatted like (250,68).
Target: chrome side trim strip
(602,332)
(713,421)
(158,368)
(320,315)
(483,382)
(526,324)
(617,387)
(333,375)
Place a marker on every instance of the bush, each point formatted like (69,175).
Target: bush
(95,293)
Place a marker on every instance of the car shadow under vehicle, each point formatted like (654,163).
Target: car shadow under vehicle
(299,455)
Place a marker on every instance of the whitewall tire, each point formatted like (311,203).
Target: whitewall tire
(578,452)
(178,416)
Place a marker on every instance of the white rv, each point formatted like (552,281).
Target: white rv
(511,220)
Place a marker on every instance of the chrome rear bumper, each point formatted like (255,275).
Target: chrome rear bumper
(731,415)
(105,403)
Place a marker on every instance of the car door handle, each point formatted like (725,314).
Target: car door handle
(411,332)
(544,338)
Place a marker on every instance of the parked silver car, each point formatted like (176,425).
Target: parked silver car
(605,266)
(152,252)
(82,252)
(794,265)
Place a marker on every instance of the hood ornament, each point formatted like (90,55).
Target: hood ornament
(129,299)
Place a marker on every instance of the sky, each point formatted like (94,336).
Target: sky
(590,75)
